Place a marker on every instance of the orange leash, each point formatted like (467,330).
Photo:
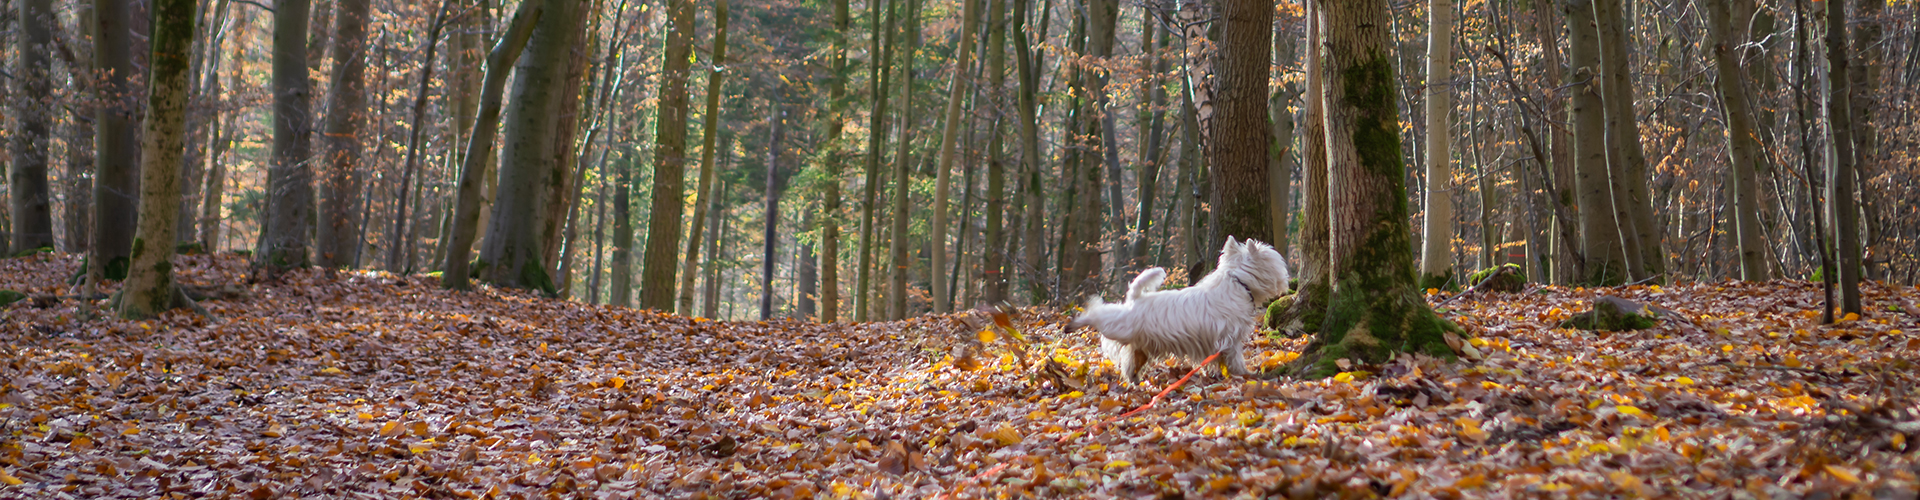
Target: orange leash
(1095,428)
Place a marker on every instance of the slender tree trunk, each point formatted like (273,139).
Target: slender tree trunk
(78,209)
(1029,171)
(346,110)
(1374,310)
(202,112)
(1560,143)
(620,288)
(400,251)
(600,202)
(149,289)
(834,162)
(949,137)
(879,70)
(1152,158)
(670,164)
(1841,177)
(1864,78)
(32,207)
(1316,276)
(475,161)
(1623,140)
(513,254)
(900,265)
(1240,131)
(1436,251)
(710,291)
(1742,147)
(709,131)
(770,237)
(216,185)
(116,182)
(283,237)
(994,250)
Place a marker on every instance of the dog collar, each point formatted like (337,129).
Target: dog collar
(1251,298)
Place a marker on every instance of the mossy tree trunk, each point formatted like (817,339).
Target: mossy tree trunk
(513,254)
(476,160)
(149,288)
(670,164)
(1374,308)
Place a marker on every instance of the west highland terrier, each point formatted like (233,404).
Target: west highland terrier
(1213,315)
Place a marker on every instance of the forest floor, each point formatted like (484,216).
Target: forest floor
(359,384)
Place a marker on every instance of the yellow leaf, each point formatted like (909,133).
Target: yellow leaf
(1850,317)
(543,348)
(419,448)
(365,417)
(130,431)
(1343,377)
(1842,473)
(390,429)
(619,382)
(331,371)
(1683,381)
(9,479)
(842,490)
(1628,410)
(1118,464)
(1005,435)
(1489,385)
(987,336)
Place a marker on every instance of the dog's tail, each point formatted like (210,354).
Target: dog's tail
(1148,280)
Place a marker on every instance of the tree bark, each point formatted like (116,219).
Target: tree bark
(1316,277)
(620,284)
(710,291)
(514,252)
(149,288)
(1841,177)
(1436,251)
(1240,134)
(1863,76)
(709,132)
(879,71)
(994,251)
(899,263)
(400,246)
(32,208)
(1742,147)
(1627,158)
(833,163)
(1600,234)
(283,237)
(1029,172)
(116,182)
(670,164)
(770,237)
(475,161)
(1374,309)
(346,110)
(949,137)
(1152,157)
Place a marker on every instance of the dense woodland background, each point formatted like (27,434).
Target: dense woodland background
(847,160)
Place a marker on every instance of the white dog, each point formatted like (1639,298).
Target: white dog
(1213,315)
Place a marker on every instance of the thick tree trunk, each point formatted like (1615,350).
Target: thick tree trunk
(1599,230)
(1841,177)
(514,252)
(32,207)
(478,157)
(116,181)
(149,288)
(283,237)
(1627,158)
(670,164)
(563,187)
(949,137)
(1742,146)
(709,132)
(1436,251)
(1240,134)
(1374,308)
(346,110)
(879,70)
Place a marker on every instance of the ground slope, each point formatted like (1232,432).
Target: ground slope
(344,384)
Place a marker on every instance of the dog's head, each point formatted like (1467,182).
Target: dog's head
(1257,264)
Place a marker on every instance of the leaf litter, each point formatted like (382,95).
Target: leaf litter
(368,384)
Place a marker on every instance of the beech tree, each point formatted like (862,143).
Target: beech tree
(149,289)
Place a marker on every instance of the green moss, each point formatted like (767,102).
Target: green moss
(117,268)
(1445,281)
(189,248)
(1507,278)
(8,297)
(436,274)
(1606,274)
(1608,316)
(32,251)
(534,277)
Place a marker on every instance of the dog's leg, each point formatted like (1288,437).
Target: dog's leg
(1234,362)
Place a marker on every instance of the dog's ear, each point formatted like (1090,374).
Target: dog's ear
(1230,247)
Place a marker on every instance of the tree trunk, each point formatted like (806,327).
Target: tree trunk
(620,284)
(900,265)
(1840,178)
(994,250)
(1374,310)
(32,139)
(475,161)
(78,209)
(116,182)
(670,164)
(400,246)
(709,131)
(1864,78)
(1742,146)
(1152,157)
(1626,156)
(1560,143)
(1436,251)
(879,70)
(514,252)
(1029,172)
(1237,150)
(710,291)
(149,288)
(949,137)
(834,163)
(563,186)
(345,115)
(1599,230)
(283,237)
(770,237)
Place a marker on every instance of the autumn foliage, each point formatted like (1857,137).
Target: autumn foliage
(366,383)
